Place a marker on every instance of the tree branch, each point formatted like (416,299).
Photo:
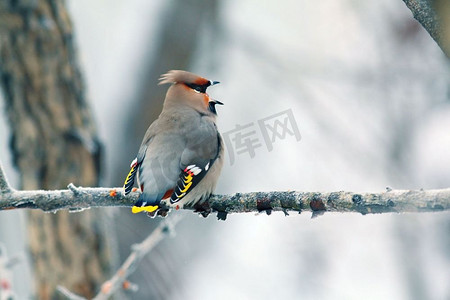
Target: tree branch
(78,199)
(434,16)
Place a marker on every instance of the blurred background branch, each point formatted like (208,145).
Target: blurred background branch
(133,261)
(138,251)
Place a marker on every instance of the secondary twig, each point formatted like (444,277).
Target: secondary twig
(68,294)
(138,252)
(119,280)
(4,185)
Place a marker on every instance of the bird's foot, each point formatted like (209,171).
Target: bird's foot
(161,211)
(203,208)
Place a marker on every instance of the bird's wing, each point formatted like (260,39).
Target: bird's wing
(136,163)
(159,169)
(202,150)
(129,180)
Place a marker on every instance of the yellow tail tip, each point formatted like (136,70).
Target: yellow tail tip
(138,209)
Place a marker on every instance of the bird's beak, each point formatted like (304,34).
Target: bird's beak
(216,102)
(213,82)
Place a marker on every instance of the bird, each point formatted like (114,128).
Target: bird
(181,155)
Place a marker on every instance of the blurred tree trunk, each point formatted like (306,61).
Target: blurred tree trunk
(184,28)
(54,142)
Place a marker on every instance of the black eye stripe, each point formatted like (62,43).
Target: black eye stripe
(197,87)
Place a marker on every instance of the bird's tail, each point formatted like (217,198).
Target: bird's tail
(144,205)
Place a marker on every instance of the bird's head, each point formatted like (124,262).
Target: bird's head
(189,89)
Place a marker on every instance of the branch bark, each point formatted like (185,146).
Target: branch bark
(78,199)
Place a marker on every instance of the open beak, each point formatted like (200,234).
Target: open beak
(216,101)
(212,105)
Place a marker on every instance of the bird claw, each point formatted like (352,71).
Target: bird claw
(204,209)
(162,212)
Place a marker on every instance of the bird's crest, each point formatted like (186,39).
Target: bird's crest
(175,76)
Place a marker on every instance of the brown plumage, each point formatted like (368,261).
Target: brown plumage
(182,150)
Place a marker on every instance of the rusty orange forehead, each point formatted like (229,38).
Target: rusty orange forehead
(201,81)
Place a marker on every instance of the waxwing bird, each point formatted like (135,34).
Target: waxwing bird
(181,155)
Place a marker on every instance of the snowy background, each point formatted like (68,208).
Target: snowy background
(370,93)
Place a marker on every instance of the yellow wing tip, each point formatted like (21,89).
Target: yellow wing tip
(138,209)
(130,174)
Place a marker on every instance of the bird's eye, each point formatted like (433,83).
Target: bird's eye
(197,88)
